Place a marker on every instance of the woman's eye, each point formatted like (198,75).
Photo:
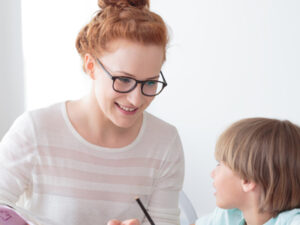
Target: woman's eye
(124,79)
(150,83)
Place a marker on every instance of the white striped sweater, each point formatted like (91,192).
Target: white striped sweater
(69,181)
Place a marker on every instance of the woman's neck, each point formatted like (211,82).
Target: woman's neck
(92,125)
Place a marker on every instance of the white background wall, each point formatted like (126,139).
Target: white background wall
(11,64)
(226,60)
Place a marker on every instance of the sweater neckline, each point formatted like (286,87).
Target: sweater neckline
(98,147)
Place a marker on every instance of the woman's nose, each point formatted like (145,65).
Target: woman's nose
(135,96)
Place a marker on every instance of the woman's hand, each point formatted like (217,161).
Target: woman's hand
(126,222)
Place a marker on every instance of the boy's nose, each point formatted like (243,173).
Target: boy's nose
(212,173)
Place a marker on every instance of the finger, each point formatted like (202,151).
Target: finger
(114,222)
(131,222)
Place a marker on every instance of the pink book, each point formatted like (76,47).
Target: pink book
(9,216)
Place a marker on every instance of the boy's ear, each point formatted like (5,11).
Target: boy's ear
(248,185)
(89,64)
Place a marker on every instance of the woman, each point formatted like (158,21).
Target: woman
(85,161)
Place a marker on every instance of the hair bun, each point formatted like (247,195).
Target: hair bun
(123,3)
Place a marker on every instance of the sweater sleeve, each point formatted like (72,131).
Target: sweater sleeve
(163,205)
(16,160)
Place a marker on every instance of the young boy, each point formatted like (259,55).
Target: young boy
(257,180)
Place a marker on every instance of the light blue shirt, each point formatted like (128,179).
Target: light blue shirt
(235,217)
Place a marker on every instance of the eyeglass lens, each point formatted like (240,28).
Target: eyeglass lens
(125,84)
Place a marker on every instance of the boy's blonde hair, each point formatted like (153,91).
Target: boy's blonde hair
(266,151)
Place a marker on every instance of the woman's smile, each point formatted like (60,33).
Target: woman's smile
(128,110)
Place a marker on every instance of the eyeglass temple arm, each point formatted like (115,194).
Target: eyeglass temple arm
(164,80)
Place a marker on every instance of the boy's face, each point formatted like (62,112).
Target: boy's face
(229,193)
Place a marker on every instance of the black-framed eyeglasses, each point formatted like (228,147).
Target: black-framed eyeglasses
(124,84)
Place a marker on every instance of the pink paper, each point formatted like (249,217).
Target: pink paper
(9,217)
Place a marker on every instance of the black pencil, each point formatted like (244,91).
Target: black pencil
(145,211)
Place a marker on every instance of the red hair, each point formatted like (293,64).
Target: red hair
(122,19)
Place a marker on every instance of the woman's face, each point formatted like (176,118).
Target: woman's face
(130,59)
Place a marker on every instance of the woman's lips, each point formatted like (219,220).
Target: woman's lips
(127,110)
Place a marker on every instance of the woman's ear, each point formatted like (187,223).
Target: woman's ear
(247,185)
(89,65)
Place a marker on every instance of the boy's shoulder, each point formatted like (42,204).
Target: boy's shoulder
(235,217)
(290,217)
(222,217)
